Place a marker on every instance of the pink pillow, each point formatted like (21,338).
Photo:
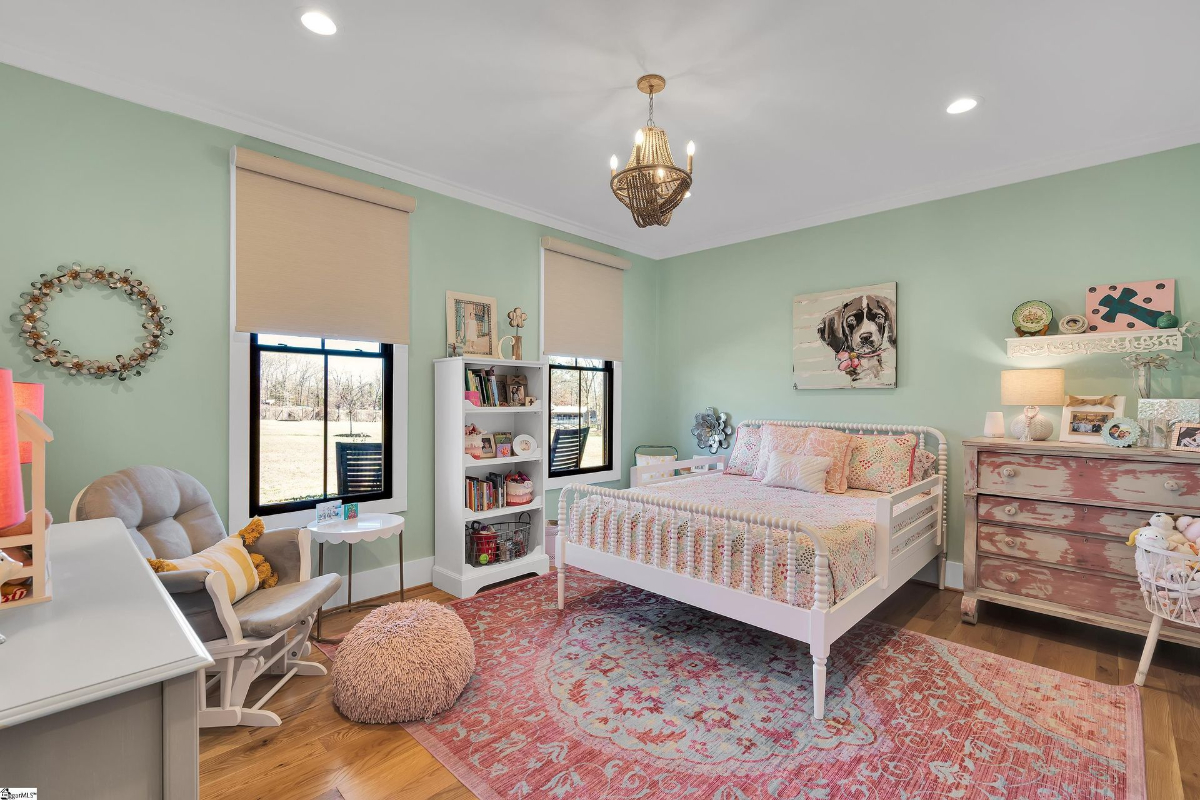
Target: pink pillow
(834,445)
(743,459)
(778,438)
(924,466)
(882,463)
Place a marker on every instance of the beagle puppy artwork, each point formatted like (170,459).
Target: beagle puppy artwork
(845,338)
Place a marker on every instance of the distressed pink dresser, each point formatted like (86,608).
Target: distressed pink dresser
(1046,524)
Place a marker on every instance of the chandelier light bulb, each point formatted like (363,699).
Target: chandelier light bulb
(612,164)
(639,137)
(318,23)
(691,148)
(686,195)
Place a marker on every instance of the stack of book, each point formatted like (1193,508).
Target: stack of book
(484,382)
(484,494)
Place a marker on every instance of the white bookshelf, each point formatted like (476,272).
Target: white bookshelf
(451,572)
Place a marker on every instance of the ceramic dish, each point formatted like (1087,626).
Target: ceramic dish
(1032,316)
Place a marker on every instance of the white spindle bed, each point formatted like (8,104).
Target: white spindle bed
(909,533)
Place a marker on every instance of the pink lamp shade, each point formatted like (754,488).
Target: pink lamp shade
(12,496)
(31,397)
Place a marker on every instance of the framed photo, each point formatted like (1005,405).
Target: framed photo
(504,445)
(845,339)
(487,445)
(1083,418)
(1158,416)
(1186,436)
(471,324)
(1121,432)
(516,390)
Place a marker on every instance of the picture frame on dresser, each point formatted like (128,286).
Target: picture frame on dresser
(1045,527)
(1083,417)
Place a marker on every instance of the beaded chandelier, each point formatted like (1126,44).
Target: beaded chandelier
(650,185)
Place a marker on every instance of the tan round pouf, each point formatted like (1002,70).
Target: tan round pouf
(403,662)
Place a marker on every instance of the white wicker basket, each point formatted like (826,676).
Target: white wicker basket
(1170,584)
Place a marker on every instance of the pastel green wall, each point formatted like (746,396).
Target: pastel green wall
(962,265)
(91,178)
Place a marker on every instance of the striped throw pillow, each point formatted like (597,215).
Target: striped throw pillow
(228,557)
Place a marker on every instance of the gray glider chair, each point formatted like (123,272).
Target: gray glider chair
(170,515)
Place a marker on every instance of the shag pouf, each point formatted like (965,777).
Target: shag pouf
(403,662)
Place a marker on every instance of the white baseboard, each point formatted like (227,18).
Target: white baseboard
(954,574)
(384,580)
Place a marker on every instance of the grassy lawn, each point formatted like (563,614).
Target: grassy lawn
(290,456)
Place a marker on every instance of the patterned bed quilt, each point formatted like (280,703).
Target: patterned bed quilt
(845,521)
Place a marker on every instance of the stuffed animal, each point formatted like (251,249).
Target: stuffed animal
(1189,527)
(1156,534)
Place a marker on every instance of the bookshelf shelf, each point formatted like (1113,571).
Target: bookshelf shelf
(452,467)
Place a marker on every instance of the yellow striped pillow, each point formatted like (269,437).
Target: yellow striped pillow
(228,557)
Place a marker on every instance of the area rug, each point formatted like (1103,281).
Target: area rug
(626,694)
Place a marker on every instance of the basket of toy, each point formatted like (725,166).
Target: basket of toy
(1168,567)
(498,542)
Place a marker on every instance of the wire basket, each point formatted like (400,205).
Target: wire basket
(498,542)
(1170,584)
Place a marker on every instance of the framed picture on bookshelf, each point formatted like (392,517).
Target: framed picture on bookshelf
(504,445)
(517,385)
(487,446)
(471,324)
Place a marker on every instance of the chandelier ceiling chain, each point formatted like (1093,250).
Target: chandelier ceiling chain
(650,185)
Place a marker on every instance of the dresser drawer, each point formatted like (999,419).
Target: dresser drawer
(1088,591)
(1068,549)
(1104,480)
(1063,516)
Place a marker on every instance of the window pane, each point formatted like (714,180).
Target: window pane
(596,363)
(565,361)
(350,344)
(355,425)
(291,427)
(594,413)
(272,340)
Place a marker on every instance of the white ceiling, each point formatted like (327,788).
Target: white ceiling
(802,112)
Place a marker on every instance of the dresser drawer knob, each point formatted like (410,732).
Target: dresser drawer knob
(1011,577)
(1009,472)
(1173,486)
(1010,542)
(1010,510)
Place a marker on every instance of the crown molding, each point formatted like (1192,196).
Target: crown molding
(1019,173)
(143,94)
(64,69)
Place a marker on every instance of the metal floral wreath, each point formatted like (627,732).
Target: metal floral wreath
(34,329)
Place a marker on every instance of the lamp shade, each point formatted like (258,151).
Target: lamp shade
(12,496)
(32,398)
(1033,387)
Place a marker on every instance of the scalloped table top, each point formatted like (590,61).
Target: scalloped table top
(365,528)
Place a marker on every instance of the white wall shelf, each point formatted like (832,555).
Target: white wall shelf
(451,572)
(1086,343)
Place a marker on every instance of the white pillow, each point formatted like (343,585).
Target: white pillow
(793,471)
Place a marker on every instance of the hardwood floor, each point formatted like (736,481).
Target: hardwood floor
(318,755)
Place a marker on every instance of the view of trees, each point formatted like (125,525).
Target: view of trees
(292,387)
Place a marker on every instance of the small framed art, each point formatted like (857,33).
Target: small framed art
(1083,418)
(1186,436)
(1121,432)
(471,324)
(487,446)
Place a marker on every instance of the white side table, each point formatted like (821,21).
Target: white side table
(366,528)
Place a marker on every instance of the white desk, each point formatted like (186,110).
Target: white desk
(98,686)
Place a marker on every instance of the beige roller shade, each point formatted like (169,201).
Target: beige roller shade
(317,254)
(584,300)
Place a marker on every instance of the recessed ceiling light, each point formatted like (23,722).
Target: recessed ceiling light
(318,22)
(962,105)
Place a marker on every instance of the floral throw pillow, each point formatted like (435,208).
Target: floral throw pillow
(781,439)
(882,463)
(924,466)
(834,445)
(743,459)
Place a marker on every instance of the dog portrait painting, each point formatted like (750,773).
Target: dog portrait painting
(845,339)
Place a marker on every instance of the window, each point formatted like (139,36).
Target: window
(581,416)
(320,421)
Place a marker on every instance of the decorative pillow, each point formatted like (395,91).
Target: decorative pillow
(228,557)
(778,438)
(882,463)
(788,471)
(924,466)
(645,460)
(743,459)
(835,445)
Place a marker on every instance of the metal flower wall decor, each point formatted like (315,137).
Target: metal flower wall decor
(35,331)
(712,429)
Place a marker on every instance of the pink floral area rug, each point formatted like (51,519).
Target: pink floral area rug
(627,695)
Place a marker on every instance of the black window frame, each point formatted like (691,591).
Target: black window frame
(607,369)
(386,355)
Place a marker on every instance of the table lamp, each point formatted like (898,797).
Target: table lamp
(1032,388)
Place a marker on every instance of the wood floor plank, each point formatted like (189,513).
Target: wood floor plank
(319,754)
